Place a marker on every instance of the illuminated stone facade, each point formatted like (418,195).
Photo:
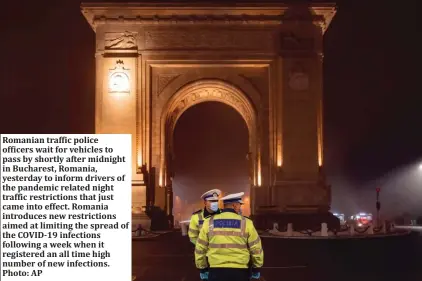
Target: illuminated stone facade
(154,61)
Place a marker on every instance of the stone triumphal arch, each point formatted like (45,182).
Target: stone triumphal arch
(154,61)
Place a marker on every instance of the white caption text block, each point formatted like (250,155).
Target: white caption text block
(66,207)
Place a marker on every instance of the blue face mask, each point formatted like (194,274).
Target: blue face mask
(214,206)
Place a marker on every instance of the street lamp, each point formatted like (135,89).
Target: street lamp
(420,167)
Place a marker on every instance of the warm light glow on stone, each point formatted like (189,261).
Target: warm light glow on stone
(140,160)
(279,161)
(160,178)
(320,135)
(119,83)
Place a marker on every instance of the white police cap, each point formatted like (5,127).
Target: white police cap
(233,198)
(211,195)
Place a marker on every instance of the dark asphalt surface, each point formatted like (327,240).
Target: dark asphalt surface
(170,258)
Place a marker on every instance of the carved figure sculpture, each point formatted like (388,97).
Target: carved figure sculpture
(124,40)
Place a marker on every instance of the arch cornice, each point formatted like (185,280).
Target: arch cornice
(204,91)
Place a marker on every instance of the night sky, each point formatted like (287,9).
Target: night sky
(372,89)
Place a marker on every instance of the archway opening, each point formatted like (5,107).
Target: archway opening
(210,144)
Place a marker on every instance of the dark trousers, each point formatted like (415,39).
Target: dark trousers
(228,274)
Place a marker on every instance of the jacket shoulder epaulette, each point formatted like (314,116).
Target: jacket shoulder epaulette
(246,217)
(197,212)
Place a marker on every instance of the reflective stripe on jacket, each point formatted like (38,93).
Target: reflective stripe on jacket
(228,240)
(195,226)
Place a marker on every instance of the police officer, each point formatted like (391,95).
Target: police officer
(211,207)
(231,243)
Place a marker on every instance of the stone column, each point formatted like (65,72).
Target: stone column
(117,102)
(299,185)
(169,186)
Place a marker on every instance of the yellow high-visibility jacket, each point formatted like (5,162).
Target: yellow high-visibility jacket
(196,222)
(228,240)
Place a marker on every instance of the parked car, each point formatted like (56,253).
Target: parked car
(361,219)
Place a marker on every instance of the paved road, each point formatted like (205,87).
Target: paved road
(170,258)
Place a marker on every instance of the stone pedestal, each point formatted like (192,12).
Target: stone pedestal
(301,197)
(299,221)
(303,204)
(139,205)
(139,201)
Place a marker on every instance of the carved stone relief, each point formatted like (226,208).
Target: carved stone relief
(208,39)
(163,80)
(120,40)
(298,78)
(205,94)
(321,23)
(119,81)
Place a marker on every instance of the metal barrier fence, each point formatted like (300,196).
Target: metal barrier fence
(139,232)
